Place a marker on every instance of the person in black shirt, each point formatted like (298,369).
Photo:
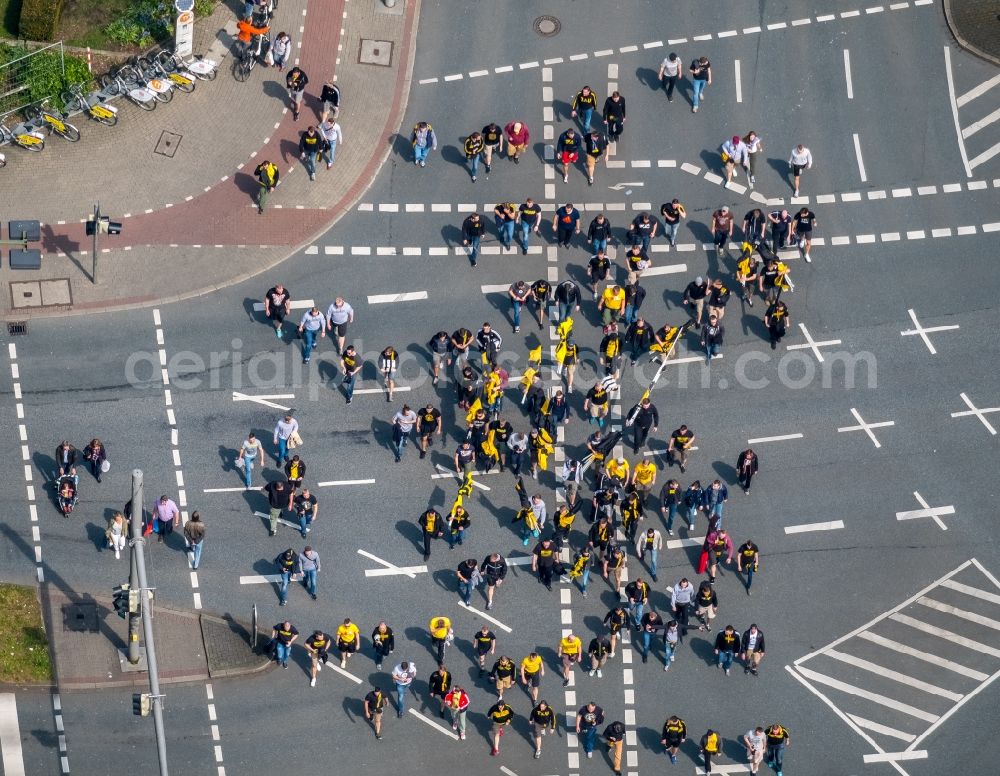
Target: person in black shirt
(597,148)
(311,144)
(279,498)
(598,270)
(494,571)
(543,722)
(473,229)
(777,319)
(384,643)
(599,233)
(568,150)
(502,429)
(529,216)
(439,347)
(318,646)
(635,295)
(614,116)
(485,642)
(645,419)
(296,81)
(283,635)
(643,230)
(672,213)
(375,702)
(587,720)
(428,424)
(277,304)
(701,76)
(803,223)
(567,296)
(540,291)
(492,141)
(566,222)
(433,528)
(781,223)
(746,468)
(694,296)
(614,735)
(640,336)
(473,152)
(754,224)
(680,444)
(711,337)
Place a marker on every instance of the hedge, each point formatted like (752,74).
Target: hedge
(39,19)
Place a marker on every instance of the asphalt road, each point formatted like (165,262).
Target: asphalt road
(101,376)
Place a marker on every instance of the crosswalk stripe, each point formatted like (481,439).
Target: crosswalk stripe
(896,676)
(957,668)
(979,619)
(981,124)
(976,91)
(10,736)
(993,598)
(954,638)
(867,695)
(884,730)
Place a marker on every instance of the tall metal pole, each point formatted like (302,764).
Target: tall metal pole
(93,252)
(147,629)
(135,536)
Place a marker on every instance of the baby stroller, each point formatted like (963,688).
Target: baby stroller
(67,492)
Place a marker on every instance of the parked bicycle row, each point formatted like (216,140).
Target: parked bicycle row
(144,81)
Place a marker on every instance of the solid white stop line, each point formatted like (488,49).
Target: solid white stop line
(408,296)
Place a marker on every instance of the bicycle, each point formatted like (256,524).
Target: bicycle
(22,135)
(41,118)
(249,56)
(115,85)
(75,99)
(202,69)
(180,79)
(163,91)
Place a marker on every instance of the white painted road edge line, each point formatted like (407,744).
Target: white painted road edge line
(954,110)
(847,74)
(861,162)
(833,525)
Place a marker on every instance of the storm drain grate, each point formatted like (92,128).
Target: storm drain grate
(16,328)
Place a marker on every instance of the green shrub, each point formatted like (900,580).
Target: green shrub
(39,19)
(203,8)
(143,23)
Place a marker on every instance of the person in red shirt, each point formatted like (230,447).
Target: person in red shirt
(517,140)
(457,701)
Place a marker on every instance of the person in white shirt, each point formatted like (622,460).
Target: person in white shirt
(754,146)
(402,676)
(683,595)
(651,542)
(670,74)
(800,159)
(334,135)
(283,431)
(734,153)
(249,451)
(754,740)
(402,424)
(312,323)
(338,315)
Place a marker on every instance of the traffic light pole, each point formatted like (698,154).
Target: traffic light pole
(93,254)
(135,536)
(138,554)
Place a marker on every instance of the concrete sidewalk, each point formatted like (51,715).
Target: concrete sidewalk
(87,639)
(976,26)
(181,201)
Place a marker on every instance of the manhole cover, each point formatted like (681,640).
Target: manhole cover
(547,26)
(167,144)
(41,293)
(375,52)
(81,618)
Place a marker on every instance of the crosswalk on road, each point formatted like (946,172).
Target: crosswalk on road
(897,679)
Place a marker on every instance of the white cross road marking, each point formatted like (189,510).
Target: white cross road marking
(259,579)
(445,473)
(399,571)
(281,521)
(407,296)
(485,616)
(265,400)
(296,304)
(866,427)
(434,724)
(10,735)
(927,511)
(812,344)
(885,757)
(979,413)
(833,525)
(922,331)
(780,438)
(390,566)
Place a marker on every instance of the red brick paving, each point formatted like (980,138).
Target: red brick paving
(222,216)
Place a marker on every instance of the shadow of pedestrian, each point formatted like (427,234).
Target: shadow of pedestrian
(726,472)
(650,78)
(453,155)
(247,183)
(649,738)
(444,578)
(289,150)
(562,110)
(702,647)
(411,531)
(781,167)
(354,708)
(276,91)
(95,532)
(713,161)
(452,235)
(402,146)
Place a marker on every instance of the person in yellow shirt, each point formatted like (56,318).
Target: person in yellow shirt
(570,652)
(612,304)
(532,671)
(643,479)
(348,640)
(441,635)
(617,469)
